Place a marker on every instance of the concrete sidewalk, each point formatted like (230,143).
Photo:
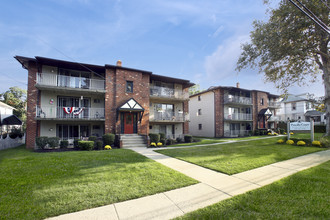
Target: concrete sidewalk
(213,187)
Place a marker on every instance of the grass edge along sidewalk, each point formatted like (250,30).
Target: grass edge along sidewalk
(236,157)
(304,195)
(40,185)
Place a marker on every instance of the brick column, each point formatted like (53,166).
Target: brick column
(219,112)
(109,102)
(32,99)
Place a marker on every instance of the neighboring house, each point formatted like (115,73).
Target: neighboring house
(75,100)
(300,107)
(7,119)
(231,111)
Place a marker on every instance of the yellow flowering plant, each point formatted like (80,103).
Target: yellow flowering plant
(153,144)
(107,147)
(316,143)
(281,141)
(289,142)
(301,143)
(159,144)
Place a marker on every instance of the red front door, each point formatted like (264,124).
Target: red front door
(128,123)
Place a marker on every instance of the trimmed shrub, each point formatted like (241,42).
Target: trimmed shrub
(316,143)
(20,135)
(188,138)
(75,142)
(99,145)
(161,135)
(108,139)
(291,142)
(13,135)
(117,141)
(281,141)
(301,143)
(319,128)
(325,141)
(154,137)
(163,141)
(4,136)
(256,133)
(64,144)
(179,140)
(170,141)
(41,142)
(53,142)
(86,145)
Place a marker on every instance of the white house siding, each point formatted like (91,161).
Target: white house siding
(287,111)
(206,119)
(178,130)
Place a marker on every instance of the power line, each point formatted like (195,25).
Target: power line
(12,78)
(69,57)
(314,18)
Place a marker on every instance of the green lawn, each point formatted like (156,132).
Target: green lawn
(40,185)
(304,195)
(203,141)
(237,157)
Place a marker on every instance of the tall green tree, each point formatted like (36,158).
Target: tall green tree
(16,97)
(289,48)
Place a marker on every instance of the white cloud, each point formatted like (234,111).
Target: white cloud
(222,62)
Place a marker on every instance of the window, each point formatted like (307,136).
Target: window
(261,101)
(199,98)
(97,100)
(293,106)
(199,111)
(200,126)
(129,86)
(96,127)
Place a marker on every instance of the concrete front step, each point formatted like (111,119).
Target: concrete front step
(133,140)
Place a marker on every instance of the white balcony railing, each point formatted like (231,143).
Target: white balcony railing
(239,116)
(236,133)
(48,79)
(158,91)
(169,116)
(54,112)
(238,100)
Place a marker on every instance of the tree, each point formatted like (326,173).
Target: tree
(289,48)
(195,89)
(16,97)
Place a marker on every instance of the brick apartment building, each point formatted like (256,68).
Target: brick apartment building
(231,111)
(73,100)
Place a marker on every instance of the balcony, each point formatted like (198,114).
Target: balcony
(161,93)
(59,82)
(236,133)
(238,100)
(238,117)
(169,117)
(272,104)
(60,113)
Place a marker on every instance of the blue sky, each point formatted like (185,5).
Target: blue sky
(195,40)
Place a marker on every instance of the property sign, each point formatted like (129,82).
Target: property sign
(300,126)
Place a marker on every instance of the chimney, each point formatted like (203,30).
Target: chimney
(118,63)
(237,84)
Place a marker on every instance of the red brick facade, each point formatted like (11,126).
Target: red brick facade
(32,96)
(115,95)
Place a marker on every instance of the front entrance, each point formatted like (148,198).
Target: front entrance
(129,123)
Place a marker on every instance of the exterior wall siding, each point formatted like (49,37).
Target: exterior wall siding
(207,117)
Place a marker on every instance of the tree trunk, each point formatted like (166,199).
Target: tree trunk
(326,80)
